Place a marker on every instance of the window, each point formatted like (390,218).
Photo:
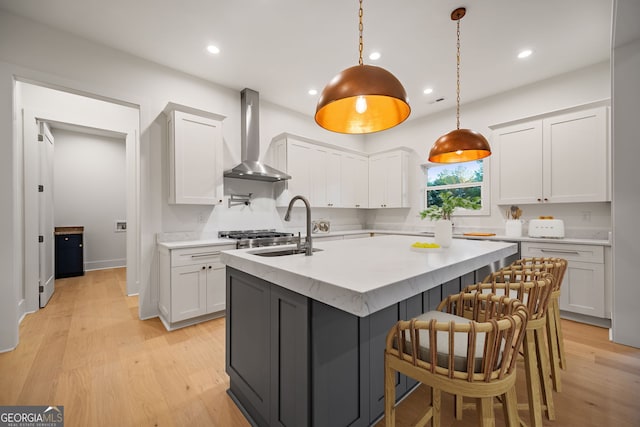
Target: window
(464,179)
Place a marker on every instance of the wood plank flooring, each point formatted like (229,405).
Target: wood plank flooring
(87,350)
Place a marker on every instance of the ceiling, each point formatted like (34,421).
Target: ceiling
(283,48)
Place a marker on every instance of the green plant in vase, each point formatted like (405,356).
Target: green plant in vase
(449,203)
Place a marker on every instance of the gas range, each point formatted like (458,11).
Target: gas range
(259,238)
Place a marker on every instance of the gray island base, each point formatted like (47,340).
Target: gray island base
(305,337)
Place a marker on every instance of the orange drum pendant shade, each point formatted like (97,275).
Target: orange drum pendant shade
(459,145)
(362,99)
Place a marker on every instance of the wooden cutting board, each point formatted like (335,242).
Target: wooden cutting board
(477,234)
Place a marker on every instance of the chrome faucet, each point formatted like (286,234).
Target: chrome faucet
(308,247)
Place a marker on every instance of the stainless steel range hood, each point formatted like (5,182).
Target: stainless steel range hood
(251,168)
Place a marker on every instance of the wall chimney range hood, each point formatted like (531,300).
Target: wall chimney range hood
(251,168)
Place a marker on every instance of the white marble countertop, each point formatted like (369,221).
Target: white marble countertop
(362,276)
(179,244)
(497,237)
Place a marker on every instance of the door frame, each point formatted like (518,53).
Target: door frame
(30,117)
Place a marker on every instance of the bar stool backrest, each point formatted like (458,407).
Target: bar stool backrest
(532,287)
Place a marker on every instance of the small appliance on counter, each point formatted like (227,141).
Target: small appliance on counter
(546,227)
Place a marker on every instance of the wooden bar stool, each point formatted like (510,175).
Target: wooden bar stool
(534,289)
(472,356)
(557,267)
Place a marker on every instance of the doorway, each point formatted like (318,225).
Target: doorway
(42,104)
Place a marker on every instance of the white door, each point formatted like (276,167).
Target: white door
(45,214)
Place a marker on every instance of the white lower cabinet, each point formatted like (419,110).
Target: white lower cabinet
(584,289)
(192,285)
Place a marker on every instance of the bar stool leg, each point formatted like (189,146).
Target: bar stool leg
(510,408)
(533,380)
(554,340)
(436,404)
(485,412)
(389,397)
(458,405)
(563,358)
(545,378)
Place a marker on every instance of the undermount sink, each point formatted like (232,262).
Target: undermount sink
(281,252)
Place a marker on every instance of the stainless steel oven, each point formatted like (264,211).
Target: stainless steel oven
(259,238)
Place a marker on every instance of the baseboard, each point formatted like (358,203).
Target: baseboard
(105,264)
(583,318)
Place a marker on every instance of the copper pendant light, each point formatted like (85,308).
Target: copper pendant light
(459,145)
(362,99)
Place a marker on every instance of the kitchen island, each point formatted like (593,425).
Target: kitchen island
(305,335)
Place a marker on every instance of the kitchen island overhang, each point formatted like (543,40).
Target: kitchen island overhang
(305,335)
(363,276)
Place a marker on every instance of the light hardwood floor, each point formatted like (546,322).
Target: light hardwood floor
(87,350)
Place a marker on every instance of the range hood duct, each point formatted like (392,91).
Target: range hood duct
(251,168)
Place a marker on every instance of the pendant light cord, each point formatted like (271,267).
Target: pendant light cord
(457,79)
(361,45)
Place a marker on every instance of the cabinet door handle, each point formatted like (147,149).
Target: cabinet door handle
(203,267)
(559,251)
(205,255)
(209,267)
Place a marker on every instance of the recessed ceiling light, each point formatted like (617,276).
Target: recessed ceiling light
(213,49)
(427,91)
(374,56)
(525,53)
(313,92)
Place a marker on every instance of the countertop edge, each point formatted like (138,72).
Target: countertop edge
(356,301)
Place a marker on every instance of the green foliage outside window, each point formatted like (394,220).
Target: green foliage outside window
(457,180)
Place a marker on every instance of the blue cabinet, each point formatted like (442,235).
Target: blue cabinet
(69,254)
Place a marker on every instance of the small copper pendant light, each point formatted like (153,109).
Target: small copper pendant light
(459,145)
(362,99)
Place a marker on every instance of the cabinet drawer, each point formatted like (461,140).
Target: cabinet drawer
(205,254)
(570,252)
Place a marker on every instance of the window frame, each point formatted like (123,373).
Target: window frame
(485,186)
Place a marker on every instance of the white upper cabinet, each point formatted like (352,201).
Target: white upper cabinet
(559,158)
(355,181)
(518,163)
(338,178)
(316,171)
(195,156)
(388,180)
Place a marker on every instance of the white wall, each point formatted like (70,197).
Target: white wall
(38,53)
(89,190)
(11,280)
(568,90)
(626,153)
(34,52)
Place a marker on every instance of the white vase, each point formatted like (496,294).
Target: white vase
(443,232)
